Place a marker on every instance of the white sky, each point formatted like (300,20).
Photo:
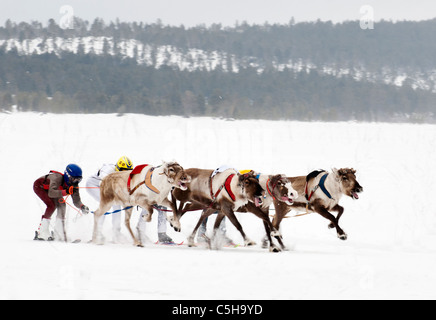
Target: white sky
(227,12)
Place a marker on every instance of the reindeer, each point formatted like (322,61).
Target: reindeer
(145,186)
(280,189)
(320,192)
(226,191)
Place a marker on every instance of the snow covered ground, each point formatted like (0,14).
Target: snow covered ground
(390,252)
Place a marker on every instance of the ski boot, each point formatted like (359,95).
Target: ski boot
(43,232)
(164,238)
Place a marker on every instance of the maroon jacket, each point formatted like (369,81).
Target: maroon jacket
(57,188)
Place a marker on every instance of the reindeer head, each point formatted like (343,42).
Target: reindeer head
(176,175)
(253,190)
(281,189)
(348,181)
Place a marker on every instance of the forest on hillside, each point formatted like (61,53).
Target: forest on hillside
(112,83)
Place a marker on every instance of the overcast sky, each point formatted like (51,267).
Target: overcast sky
(227,12)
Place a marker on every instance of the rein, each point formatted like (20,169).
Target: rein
(294,216)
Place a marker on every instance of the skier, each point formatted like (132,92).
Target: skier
(93,184)
(222,233)
(51,188)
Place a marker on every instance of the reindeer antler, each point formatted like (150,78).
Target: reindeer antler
(346,171)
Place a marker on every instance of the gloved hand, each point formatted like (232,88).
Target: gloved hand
(85,209)
(70,190)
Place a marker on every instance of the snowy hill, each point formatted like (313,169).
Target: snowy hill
(298,71)
(390,252)
(193,59)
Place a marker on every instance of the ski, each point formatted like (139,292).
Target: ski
(232,245)
(208,245)
(169,243)
(39,239)
(36,238)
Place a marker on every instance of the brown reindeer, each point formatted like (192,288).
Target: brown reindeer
(226,191)
(278,188)
(150,186)
(320,192)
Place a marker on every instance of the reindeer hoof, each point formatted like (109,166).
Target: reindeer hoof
(173,225)
(249,243)
(342,236)
(191,243)
(274,249)
(177,229)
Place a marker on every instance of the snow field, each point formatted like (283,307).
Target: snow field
(389,254)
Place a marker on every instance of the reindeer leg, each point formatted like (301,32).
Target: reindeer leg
(340,210)
(270,230)
(323,212)
(282,210)
(279,236)
(180,211)
(174,220)
(204,215)
(268,238)
(128,215)
(97,236)
(226,209)
(216,226)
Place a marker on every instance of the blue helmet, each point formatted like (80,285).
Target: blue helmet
(73,174)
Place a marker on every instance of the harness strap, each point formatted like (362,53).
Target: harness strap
(46,185)
(148,183)
(53,171)
(269,191)
(307,195)
(214,196)
(147,180)
(228,187)
(136,170)
(321,185)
